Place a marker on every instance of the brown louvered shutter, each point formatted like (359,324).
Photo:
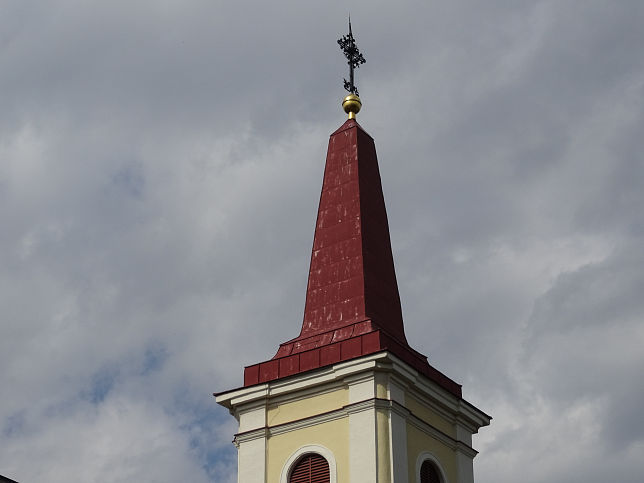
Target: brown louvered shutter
(310,468)
(428,473)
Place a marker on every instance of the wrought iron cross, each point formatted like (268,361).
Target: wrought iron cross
(348,45)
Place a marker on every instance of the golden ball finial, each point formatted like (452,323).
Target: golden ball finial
(351,105)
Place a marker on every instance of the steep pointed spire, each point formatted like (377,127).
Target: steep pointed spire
(352,304)
(352,278)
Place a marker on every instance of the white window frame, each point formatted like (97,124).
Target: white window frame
(310,448)
(427,456)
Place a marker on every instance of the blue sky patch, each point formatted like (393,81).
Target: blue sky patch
(155,356)
(102,383)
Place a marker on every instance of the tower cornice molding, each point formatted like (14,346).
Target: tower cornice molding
(343,374)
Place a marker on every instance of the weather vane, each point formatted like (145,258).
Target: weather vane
(355,59)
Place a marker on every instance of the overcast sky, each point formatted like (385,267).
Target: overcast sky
(160,169)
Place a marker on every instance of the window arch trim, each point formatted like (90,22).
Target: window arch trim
(310,448)
(427,456)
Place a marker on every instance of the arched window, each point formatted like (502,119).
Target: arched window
(429,473)
(310,468)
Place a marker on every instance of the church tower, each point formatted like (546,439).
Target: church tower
(349,400)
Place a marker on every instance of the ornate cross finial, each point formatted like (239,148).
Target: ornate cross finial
(348,45)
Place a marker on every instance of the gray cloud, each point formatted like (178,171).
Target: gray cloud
(160,167)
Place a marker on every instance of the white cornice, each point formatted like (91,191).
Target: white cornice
(446,404)
(345,411)
(454,409)
(250,435)
(299,382)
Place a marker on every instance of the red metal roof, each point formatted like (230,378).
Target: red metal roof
(352,302)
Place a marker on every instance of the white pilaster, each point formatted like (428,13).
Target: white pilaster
(464,454)
(398,432)
(251,461)
(251,454)
(363,449)
(464,467)
(362,446)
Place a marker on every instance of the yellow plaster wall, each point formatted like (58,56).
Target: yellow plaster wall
(429,416)
(311,406)
(419,442)
(333,435)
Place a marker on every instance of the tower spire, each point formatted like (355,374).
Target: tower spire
(348,399)
(352,304)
